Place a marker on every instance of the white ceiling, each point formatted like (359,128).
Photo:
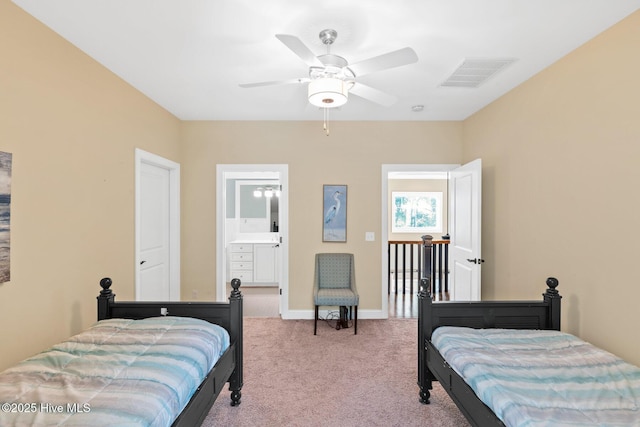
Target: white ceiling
(189,56)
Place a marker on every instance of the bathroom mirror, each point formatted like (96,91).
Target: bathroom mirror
(256,205)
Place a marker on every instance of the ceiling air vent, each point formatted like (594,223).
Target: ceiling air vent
(474,72)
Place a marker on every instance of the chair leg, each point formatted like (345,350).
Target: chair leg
(315,322)
(355,321)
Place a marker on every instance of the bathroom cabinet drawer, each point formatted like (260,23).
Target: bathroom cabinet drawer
(245,276)
(241,256)
(241,247)
(242,265)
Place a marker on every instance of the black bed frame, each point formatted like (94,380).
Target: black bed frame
(543,314)
(229,366)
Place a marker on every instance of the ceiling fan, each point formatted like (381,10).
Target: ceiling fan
(331,78)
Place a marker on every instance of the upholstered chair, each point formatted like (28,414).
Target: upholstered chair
(335,284)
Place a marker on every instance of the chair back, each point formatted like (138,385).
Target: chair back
(334,270)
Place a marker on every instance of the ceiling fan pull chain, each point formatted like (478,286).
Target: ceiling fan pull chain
(326,120)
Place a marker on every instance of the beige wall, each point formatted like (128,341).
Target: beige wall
(352,155)
(72,127)
(560,185)
(561,173)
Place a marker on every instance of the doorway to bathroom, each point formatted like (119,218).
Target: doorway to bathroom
(252,235)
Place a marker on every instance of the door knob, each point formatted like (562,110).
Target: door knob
(142,262)
(476,260)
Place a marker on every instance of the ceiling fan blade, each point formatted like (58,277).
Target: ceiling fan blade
(372,94)
(393,59)
(275,82)
(300,49)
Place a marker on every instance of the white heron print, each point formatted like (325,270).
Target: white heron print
(333,210)
(334,227)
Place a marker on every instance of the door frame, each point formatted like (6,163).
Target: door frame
(223,171)
(386,170)
(144,157)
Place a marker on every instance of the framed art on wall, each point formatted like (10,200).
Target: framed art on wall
(5,216)
(334,213)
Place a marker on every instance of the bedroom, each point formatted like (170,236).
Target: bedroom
(559,153)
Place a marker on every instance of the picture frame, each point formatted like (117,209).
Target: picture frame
(6,161)
(416,212)
(334,213)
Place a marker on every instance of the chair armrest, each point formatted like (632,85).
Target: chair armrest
(316,279)
(353,279)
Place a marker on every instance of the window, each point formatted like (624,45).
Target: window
(417,212)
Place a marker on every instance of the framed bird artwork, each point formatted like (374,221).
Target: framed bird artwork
(334,213)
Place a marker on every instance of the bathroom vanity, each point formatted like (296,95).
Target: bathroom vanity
(255,262)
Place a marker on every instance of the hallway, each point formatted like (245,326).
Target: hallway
(405,305)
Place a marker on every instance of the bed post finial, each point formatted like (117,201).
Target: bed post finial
(552,284)
(425,288)
(552,296)
(235,293)
(105,299)
(106,284)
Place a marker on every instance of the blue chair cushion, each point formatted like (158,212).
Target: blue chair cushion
(336,296)
(334,270)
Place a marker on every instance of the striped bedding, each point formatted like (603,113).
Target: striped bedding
(119,372)
(543,378)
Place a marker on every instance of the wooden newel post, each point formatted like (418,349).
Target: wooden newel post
(427,257)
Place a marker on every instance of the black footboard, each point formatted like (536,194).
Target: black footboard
(543,314)
(228,315)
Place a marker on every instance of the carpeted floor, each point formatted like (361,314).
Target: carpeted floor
(293,378)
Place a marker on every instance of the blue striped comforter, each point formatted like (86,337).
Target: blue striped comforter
(543,378)
(118,372)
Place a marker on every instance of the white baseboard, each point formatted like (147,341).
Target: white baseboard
(308,314)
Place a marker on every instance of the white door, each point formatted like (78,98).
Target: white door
(156,278)
(465,203)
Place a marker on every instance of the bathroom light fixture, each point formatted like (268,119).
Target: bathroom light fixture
(268,192)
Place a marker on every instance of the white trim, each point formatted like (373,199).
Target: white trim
(309,314)
(387,171)
(141,157)
(229,171)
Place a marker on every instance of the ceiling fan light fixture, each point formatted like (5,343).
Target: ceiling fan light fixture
(328,92)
